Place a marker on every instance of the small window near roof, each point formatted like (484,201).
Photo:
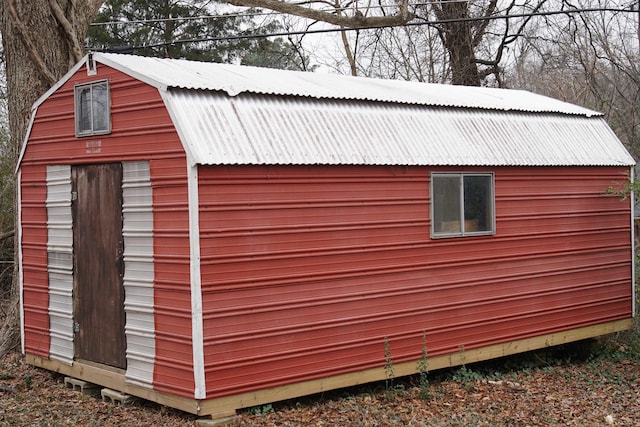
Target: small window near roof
(92,109)
(462,204)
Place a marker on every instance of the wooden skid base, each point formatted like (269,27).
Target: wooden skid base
(224,407)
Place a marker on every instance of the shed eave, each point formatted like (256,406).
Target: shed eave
(425,164)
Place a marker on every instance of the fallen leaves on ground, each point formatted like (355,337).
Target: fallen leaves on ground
(600,392)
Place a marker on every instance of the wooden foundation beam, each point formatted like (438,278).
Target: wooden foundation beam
(113,379)
(225,407)
(261,397)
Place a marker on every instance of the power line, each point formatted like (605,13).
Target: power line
(180,19)
(410,24)
(251,14)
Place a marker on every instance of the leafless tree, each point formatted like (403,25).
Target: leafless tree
(589,59)
(459,42)
(408,53)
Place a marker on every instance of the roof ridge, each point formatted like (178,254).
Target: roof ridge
(236,79)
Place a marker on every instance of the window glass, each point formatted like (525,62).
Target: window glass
(462,204)
(478,215)
(83,109)
(92,109)
(100,107)
(446,204)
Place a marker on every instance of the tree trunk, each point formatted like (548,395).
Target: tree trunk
(42,39)
(464,69)
(457,36)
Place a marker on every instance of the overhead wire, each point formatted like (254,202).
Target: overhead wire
(341,29)
(184,18)
(270,13)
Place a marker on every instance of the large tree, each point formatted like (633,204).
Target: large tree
(42,39)
(458,42)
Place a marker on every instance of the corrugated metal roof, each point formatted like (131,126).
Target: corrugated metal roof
(235,79)
(253,129)
(228,114)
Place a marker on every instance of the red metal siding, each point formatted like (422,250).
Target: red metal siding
(306,270)
(142,130)
(174,356)
(34,260)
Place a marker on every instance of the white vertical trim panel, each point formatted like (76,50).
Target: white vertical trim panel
(60,262)
(137,231)
(632,178)
(197,330)
(20,273)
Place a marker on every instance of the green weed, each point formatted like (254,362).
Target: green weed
(388,366)
(423,370)
(261,410)
(464,375)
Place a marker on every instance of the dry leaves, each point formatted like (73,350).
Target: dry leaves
(597,393)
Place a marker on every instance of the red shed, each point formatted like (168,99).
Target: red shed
(212,237)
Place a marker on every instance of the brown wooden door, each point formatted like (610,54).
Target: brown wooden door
(98,246)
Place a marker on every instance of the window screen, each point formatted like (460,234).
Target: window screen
(462,204)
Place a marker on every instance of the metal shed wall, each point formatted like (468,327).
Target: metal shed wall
(142,132)
(35,278)
(306,271)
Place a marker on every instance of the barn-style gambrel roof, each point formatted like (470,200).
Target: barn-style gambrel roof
(229,114)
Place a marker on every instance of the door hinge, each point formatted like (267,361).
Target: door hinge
(76,327)
(74,196)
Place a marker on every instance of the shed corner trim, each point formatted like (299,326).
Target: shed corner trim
(197,331)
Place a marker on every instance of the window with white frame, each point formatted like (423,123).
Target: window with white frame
(92,108)
(462,204)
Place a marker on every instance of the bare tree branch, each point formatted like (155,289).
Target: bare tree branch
(481,26)
(69,33)
(355,21)
(345,43)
